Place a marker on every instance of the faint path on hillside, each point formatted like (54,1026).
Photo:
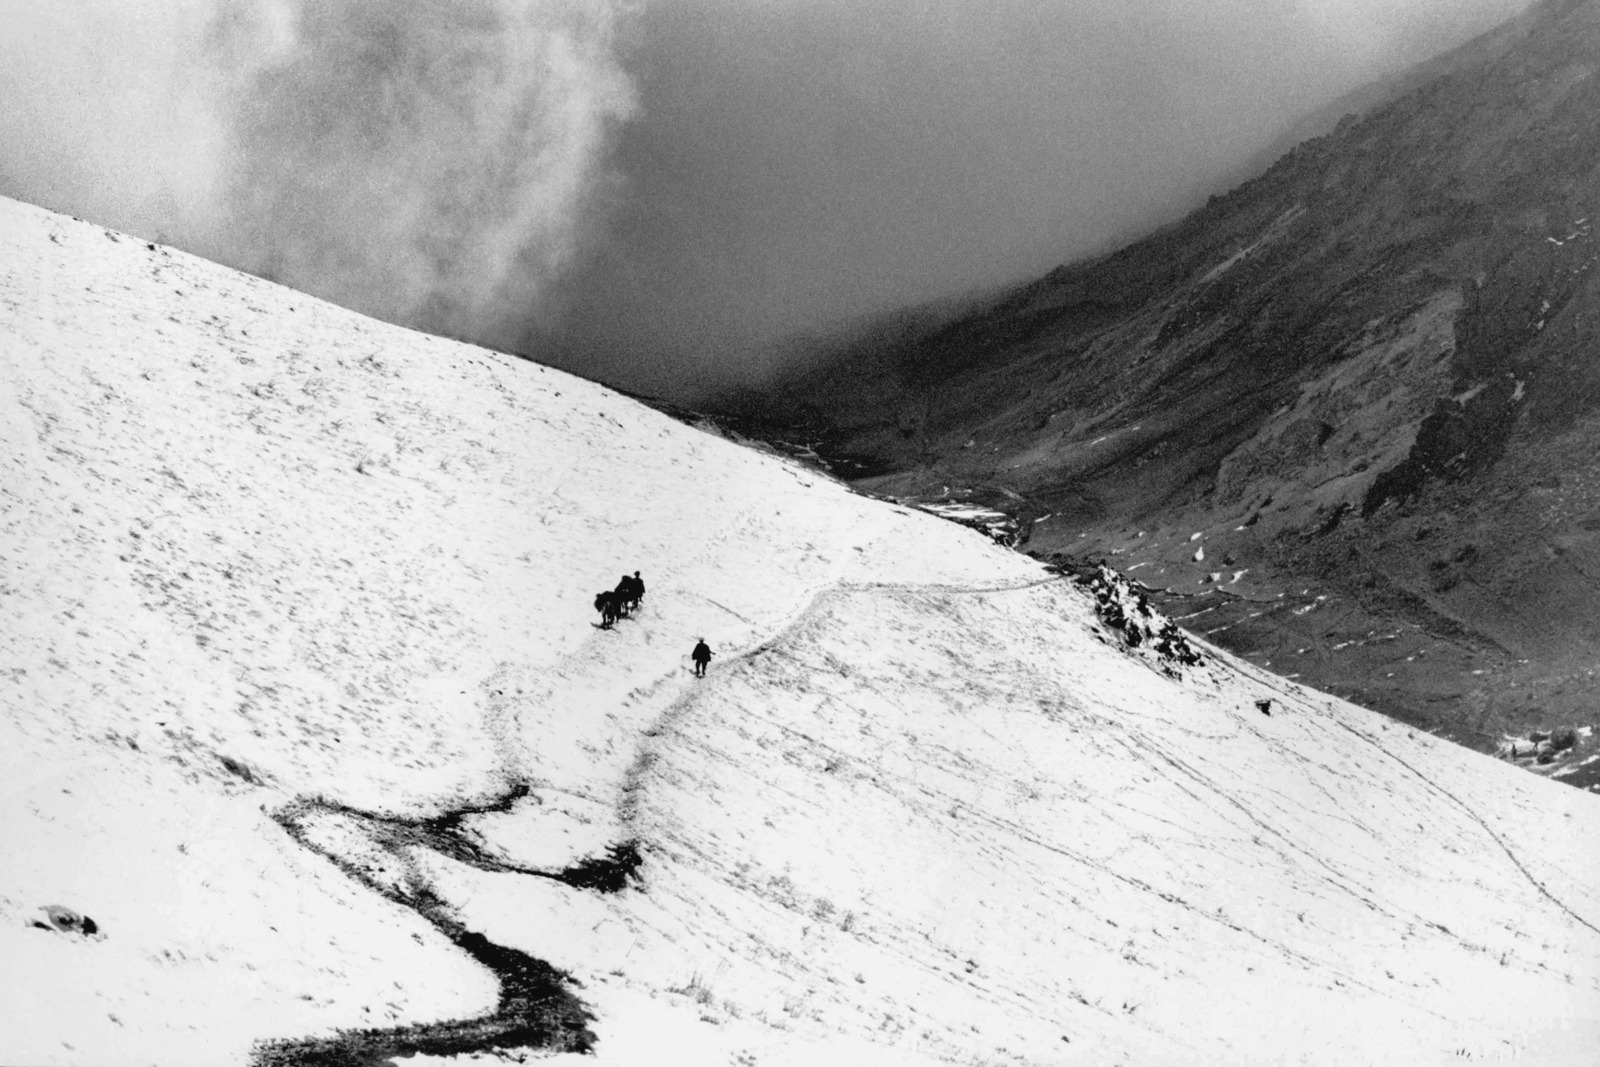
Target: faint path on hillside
(1475,817)
(1328,870)
(813,607)
(537,1006)
(907,787)
(1289,689)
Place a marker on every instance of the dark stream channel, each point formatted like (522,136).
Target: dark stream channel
(537,1006)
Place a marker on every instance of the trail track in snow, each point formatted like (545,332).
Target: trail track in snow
(820,600)
(1475,817)
(223,601)
(843,590)
(1284,688)
(1287,688)
(1309,823)
(537,1007)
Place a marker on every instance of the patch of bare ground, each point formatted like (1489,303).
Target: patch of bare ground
(538,1007)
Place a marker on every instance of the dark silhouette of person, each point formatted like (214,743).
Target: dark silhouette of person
(630,590)
(622,595)
(1265,706)
(701,656)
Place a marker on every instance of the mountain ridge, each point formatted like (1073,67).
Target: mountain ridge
(1394,321)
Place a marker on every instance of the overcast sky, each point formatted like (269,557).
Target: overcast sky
(648,193)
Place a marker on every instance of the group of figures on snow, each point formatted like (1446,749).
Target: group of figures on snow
(623,601)
(619,603)
(1121,604)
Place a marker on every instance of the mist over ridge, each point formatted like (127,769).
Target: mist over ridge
(651,194)
(433,163)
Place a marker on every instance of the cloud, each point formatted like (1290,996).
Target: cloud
(432,162)
(106,113)
(653,194)
(795,163)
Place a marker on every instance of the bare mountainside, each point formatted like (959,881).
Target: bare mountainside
(313,752)
(1345,417)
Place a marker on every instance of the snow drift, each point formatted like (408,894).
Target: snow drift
(283,585)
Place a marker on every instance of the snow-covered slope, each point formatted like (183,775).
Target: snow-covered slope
(283,585)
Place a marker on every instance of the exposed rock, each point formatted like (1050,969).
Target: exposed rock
(67,921)
(1124,606)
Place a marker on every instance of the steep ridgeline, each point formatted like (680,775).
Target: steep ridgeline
(315,752)
(1348,412)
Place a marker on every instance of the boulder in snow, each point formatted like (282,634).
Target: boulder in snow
(67,921)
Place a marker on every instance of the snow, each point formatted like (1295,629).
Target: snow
(260,552)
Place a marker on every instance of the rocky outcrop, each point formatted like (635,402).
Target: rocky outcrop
(1125,609)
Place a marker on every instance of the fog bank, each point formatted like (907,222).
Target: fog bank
(650,193)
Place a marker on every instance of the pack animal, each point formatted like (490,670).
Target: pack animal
(606,604)
(629,592)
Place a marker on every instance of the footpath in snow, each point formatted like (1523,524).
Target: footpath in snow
(306,707)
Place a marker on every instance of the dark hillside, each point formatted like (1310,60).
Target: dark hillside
(1368,380)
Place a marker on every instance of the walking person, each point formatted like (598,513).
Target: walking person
(701,656)
(631,590)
